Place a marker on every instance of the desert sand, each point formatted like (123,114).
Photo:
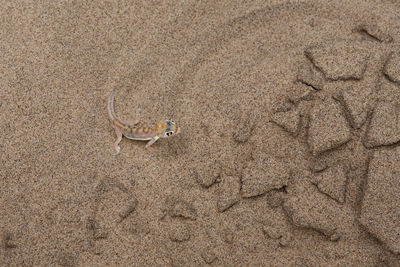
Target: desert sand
(289,151)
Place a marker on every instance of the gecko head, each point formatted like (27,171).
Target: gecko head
(171,129)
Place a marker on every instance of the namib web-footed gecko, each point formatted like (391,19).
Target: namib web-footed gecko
(133,129)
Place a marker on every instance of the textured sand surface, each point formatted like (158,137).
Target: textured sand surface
(289,153)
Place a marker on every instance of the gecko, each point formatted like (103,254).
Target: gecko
(135,131)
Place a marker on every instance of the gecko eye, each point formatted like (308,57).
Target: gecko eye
(169,133)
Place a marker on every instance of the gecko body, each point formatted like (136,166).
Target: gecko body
(133,130)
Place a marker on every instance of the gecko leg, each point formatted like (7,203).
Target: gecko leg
(152,141)
(119,138)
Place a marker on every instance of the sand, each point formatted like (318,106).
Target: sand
(289,152)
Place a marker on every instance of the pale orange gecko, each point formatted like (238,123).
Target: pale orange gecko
(131,130)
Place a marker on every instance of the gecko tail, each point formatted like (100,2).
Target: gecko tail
(110,106)
(115,120)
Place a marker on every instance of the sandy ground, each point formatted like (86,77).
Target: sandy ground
(289,152)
